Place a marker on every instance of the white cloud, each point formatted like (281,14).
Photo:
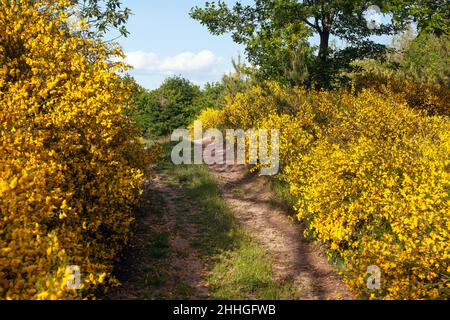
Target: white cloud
(189,61)
(149,62)
(141,60)
(150,70)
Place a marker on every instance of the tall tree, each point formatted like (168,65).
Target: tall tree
(289,23)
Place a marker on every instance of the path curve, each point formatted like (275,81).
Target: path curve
(249,198)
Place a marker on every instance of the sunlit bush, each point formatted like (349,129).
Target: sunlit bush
(429,95)
(372,179)
(70,160)
(210,118)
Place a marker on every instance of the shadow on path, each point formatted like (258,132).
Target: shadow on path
(249,198)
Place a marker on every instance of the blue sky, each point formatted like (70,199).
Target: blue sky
(165,41)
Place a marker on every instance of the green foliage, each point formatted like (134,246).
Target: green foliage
(103,15)
(276,34)
(431,16)
(423,59)
(417,68)
(135,88)
(239,80)
(177,102)
(212,96)
(428,57)
(171,106)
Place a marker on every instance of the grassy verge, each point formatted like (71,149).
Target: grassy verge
(239,268)
(282,196)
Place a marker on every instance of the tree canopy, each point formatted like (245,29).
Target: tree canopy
(174,104)
(276,32)
(431,16)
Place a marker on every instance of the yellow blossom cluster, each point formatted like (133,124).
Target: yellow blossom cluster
(70,161)
(432,97)
(372,181)
(210,119)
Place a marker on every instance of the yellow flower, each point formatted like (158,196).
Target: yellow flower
(370,175)
(55,160)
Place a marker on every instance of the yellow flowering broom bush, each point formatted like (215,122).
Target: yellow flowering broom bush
(210,118)
(430,96)
(372,179)
(70,161)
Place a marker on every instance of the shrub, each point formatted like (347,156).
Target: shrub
(171,106)
(371,177)
(419,70)
(210,119)
(431,97)
(70,161)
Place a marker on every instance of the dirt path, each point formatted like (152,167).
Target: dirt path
(165,262)
(161,263)
(249,197)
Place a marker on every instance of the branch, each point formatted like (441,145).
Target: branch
(316,22)
(309,23)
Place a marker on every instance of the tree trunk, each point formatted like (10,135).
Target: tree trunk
(324,44)
(323,68)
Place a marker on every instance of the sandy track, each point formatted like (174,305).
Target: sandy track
(182,266)
(249,198)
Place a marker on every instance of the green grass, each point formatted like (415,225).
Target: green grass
(282,196)
(157,247)
(154,250)
(246,273)
(147,142)
(239,268)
